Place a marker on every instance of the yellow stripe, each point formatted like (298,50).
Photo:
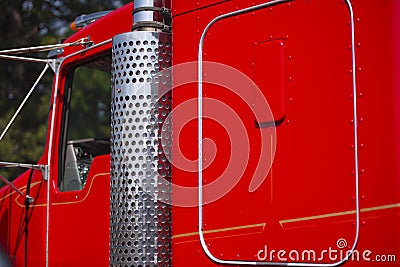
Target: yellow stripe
(222,230)
(336,214)
(84,198)
(21,189)
(384,207)
(217,237)
(318,217)
(64,203)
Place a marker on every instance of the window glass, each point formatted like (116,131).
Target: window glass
(86,132)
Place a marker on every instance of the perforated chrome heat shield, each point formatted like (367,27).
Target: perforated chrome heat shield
(140,223)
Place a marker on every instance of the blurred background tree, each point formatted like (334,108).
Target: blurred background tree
(29,23)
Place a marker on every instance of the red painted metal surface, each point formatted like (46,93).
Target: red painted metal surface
(307,200)
(300,56)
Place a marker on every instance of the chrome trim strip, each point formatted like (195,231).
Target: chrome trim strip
(26,59)
(86,49)
(6,54)
(200,145)
(53,115)
(42,48)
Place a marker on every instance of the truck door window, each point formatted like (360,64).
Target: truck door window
(86,121)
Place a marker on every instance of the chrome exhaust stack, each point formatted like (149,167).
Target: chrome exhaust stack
(151,15)
(140,197)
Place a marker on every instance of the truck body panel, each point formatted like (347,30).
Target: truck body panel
(317,157)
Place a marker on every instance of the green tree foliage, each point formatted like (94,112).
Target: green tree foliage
(29,23)
(89,113)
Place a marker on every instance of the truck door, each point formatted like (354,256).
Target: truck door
(300,59)
(80,199)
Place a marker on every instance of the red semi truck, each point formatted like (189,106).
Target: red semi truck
(233,133)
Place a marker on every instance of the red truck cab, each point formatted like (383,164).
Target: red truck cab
(310,179)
